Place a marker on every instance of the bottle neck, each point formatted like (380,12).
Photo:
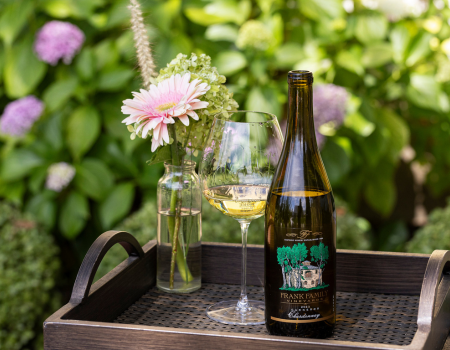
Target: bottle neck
(300,123)
(300,169)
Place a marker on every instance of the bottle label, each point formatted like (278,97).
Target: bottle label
(306,264)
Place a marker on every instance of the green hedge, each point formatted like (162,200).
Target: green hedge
(434,235)
(29,265)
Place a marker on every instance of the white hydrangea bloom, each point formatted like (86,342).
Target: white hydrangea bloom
(254,35)
(59,175)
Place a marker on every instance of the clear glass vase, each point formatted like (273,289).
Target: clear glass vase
(179,229)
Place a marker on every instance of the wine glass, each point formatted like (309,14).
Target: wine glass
(236,170)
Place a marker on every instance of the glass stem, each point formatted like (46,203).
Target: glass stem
(243,300)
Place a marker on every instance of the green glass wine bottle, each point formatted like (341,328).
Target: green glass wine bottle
(300,236)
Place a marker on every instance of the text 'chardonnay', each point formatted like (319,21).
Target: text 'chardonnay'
(300,240)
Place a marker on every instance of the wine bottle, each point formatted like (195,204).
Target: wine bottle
(300,230)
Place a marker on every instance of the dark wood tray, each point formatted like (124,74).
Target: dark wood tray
(384,301)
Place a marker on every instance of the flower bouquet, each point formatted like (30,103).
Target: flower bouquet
(175,110)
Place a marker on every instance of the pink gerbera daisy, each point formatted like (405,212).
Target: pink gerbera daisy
(155,108)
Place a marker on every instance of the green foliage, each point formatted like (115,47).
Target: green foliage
(29,266)
(81,124)
(352,232)
(434,235)
(393,72)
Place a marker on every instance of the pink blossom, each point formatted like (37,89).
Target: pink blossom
(20,115)
(56,40)
(153,109)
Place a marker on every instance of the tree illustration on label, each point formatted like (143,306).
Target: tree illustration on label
(320,255)
(298,273)
(298,254)
(282,261)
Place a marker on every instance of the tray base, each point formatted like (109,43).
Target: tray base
(361,317)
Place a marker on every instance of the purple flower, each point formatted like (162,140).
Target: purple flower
(59,175)
(20,115)
(57,40)
(329,105)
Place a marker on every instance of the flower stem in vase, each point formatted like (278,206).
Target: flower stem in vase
(175,220)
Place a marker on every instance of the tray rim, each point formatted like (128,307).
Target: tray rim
(433,272)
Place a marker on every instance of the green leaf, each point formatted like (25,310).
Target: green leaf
(116,205)
(230,62)
(162,154)
(93,178)
(71,8)
(74,214)
(317,9)
(444,103)
(13,18)
(371,28)
(165,13)
(23,71)
(43,207)
(83,128)
(380,193)
(119,161)
(275,24)
(377,55)
(58,8)
(18,164)
(117,15)
(399,39)
(424,91)
(114,80)
(351,60)
(392,237)
(220,12)
(53,131)
(398,131)
(374,147)
(171,47)
(13,192)
(225,32)
(37,178)
(336,161)
(289,54)
(105,54)
(419,48)
(57,94)
(264,100)
(359,124)
(85,64)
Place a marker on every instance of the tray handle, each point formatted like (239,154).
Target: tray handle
(435,289)
(94,257)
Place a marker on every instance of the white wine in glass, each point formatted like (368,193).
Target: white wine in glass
(239,160)
(247,202)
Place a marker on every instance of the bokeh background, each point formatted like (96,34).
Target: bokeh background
(69,171)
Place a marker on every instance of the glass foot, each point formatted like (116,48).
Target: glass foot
(228,312)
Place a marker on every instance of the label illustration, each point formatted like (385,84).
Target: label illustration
(298,273)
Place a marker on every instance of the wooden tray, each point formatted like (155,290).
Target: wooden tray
(378,303)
